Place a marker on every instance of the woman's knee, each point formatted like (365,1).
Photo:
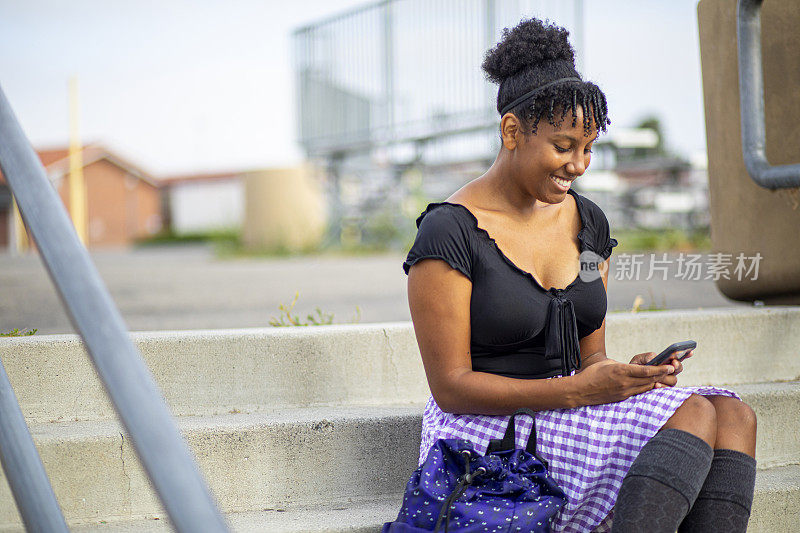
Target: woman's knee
(734,415)
(697,416)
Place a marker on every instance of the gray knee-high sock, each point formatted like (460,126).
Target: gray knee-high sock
(724,502)
(662,484)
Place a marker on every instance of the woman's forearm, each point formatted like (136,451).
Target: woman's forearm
(589,360)
(604,381)
(490,394)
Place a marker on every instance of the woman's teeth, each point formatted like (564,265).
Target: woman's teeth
(562,182)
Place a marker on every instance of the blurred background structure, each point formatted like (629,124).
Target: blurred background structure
(392,104)
(124,201)
(325,129)
(383,103)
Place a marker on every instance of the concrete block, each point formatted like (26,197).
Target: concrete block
(776,509)
(251,370)
(359,517)
(323,456)
(776,506)
(215,372)
(320,455)
(777,406)
(733,345)
(747,218)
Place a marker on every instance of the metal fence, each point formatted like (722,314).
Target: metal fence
(406,70)
(397,85)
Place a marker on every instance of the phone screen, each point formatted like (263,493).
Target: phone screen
(679,350)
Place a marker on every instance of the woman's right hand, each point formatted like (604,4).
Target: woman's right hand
(608,381)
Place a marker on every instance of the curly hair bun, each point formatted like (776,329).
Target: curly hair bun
(530,43)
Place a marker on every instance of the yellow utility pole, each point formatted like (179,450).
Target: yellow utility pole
(20,235)
(77,185)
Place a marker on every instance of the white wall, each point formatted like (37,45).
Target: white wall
(208,205)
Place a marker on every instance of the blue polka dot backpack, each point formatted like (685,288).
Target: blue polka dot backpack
(459,490)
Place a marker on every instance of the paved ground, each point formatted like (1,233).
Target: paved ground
(188,288)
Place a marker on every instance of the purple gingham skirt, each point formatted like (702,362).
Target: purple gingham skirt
(589,449)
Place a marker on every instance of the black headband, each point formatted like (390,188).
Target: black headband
(534,91)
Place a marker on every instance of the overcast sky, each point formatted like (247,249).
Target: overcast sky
(183,86)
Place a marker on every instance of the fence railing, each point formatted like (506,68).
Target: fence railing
(406,70)
(132,389)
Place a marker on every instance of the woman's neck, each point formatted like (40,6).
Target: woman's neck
(502,191)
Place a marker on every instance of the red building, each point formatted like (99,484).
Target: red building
(123,201)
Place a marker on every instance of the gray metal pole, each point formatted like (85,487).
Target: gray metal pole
(578,36)
(128,382)
(388,62)
(751,102)
(489,22)
(26,476)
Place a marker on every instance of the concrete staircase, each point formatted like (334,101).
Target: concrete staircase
(317,429)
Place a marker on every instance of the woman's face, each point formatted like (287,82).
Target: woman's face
(546,163)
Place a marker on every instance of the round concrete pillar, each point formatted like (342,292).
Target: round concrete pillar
(746,218)
(284,210)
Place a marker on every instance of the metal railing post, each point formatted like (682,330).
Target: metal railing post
(132,389)
(24,471)
(751,102)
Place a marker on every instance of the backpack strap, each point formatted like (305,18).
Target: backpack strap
(508,441)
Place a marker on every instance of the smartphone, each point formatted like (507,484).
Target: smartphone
(679,349)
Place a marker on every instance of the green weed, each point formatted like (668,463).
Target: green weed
(318,318)
(18,333)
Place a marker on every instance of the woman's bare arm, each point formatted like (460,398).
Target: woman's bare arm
(439,300)
(593,346)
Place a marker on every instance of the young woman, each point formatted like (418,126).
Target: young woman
(500,304)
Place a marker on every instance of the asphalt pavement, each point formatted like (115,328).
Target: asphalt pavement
(187,287)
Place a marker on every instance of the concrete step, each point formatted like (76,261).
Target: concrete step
(216,372)
(361,517)
(323,456)
(299,456)
(776,509)
(777,406)
(251,370)
(776,506)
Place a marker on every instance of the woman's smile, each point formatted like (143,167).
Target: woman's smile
(560,182)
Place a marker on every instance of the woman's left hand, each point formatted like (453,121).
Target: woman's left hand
(669,380)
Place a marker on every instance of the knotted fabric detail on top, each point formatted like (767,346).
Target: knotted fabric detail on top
(561,334)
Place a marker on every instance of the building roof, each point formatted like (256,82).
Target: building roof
(56,162)
(201,177)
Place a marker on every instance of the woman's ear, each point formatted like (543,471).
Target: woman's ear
(510,131)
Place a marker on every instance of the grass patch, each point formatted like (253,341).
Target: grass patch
(18,333)
(663,240)
(222,236)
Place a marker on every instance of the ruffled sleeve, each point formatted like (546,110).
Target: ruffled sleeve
(605,242)
(442,234)
(600,231)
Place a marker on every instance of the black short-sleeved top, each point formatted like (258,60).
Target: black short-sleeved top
(518,328)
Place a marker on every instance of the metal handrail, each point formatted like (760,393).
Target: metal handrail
(24,470)
(132,389)
(751,102)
